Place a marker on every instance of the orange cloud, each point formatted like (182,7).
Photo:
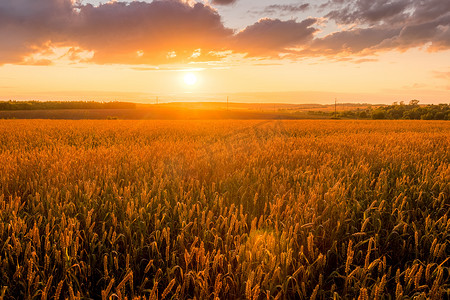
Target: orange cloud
(149,33)
(174,31)
(116,32)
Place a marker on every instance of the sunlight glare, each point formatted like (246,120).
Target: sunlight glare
(190,79)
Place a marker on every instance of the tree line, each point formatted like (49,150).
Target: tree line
(36,105)
(397,111)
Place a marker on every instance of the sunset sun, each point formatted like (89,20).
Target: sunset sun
(190,79)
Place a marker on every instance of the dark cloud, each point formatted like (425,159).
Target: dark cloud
(434,32)
(429,10)
(223,2)
(288,7)
(282,9)
(271,36)
(355,41)
(389,12)
(369,11)
(331,4)
(26,26)
(386,25)
(386,11)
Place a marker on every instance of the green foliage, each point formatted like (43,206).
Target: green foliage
(412,111)
(378,114)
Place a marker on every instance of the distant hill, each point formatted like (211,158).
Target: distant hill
(257,106)
(155,113)
(217,110)
(174,110)
(46,105)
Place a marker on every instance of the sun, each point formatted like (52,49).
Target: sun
(190,79)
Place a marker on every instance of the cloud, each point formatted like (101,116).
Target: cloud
(371,12)
(26,26)
(435,32)
(39,62)
(289,7)
(354,41)
(116,32)
(441,75)
(149,33)
(425,11)
(272,36)
(282,9)
(223,2)
(385,25)
(415,86)
(178,31)
(160,32)
(386,11)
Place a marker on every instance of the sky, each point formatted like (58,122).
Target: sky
(285,51)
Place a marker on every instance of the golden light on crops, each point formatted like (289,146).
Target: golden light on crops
(260,246)
(222,209)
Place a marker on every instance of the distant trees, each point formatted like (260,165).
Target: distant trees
(35,105)
(397,111)
(413,111)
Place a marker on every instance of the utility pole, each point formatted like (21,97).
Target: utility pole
(335,107)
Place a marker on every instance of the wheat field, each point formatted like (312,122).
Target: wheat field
(224,209)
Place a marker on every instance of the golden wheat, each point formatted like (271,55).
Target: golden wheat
(224,209)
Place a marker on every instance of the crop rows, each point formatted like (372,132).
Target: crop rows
(224,209)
